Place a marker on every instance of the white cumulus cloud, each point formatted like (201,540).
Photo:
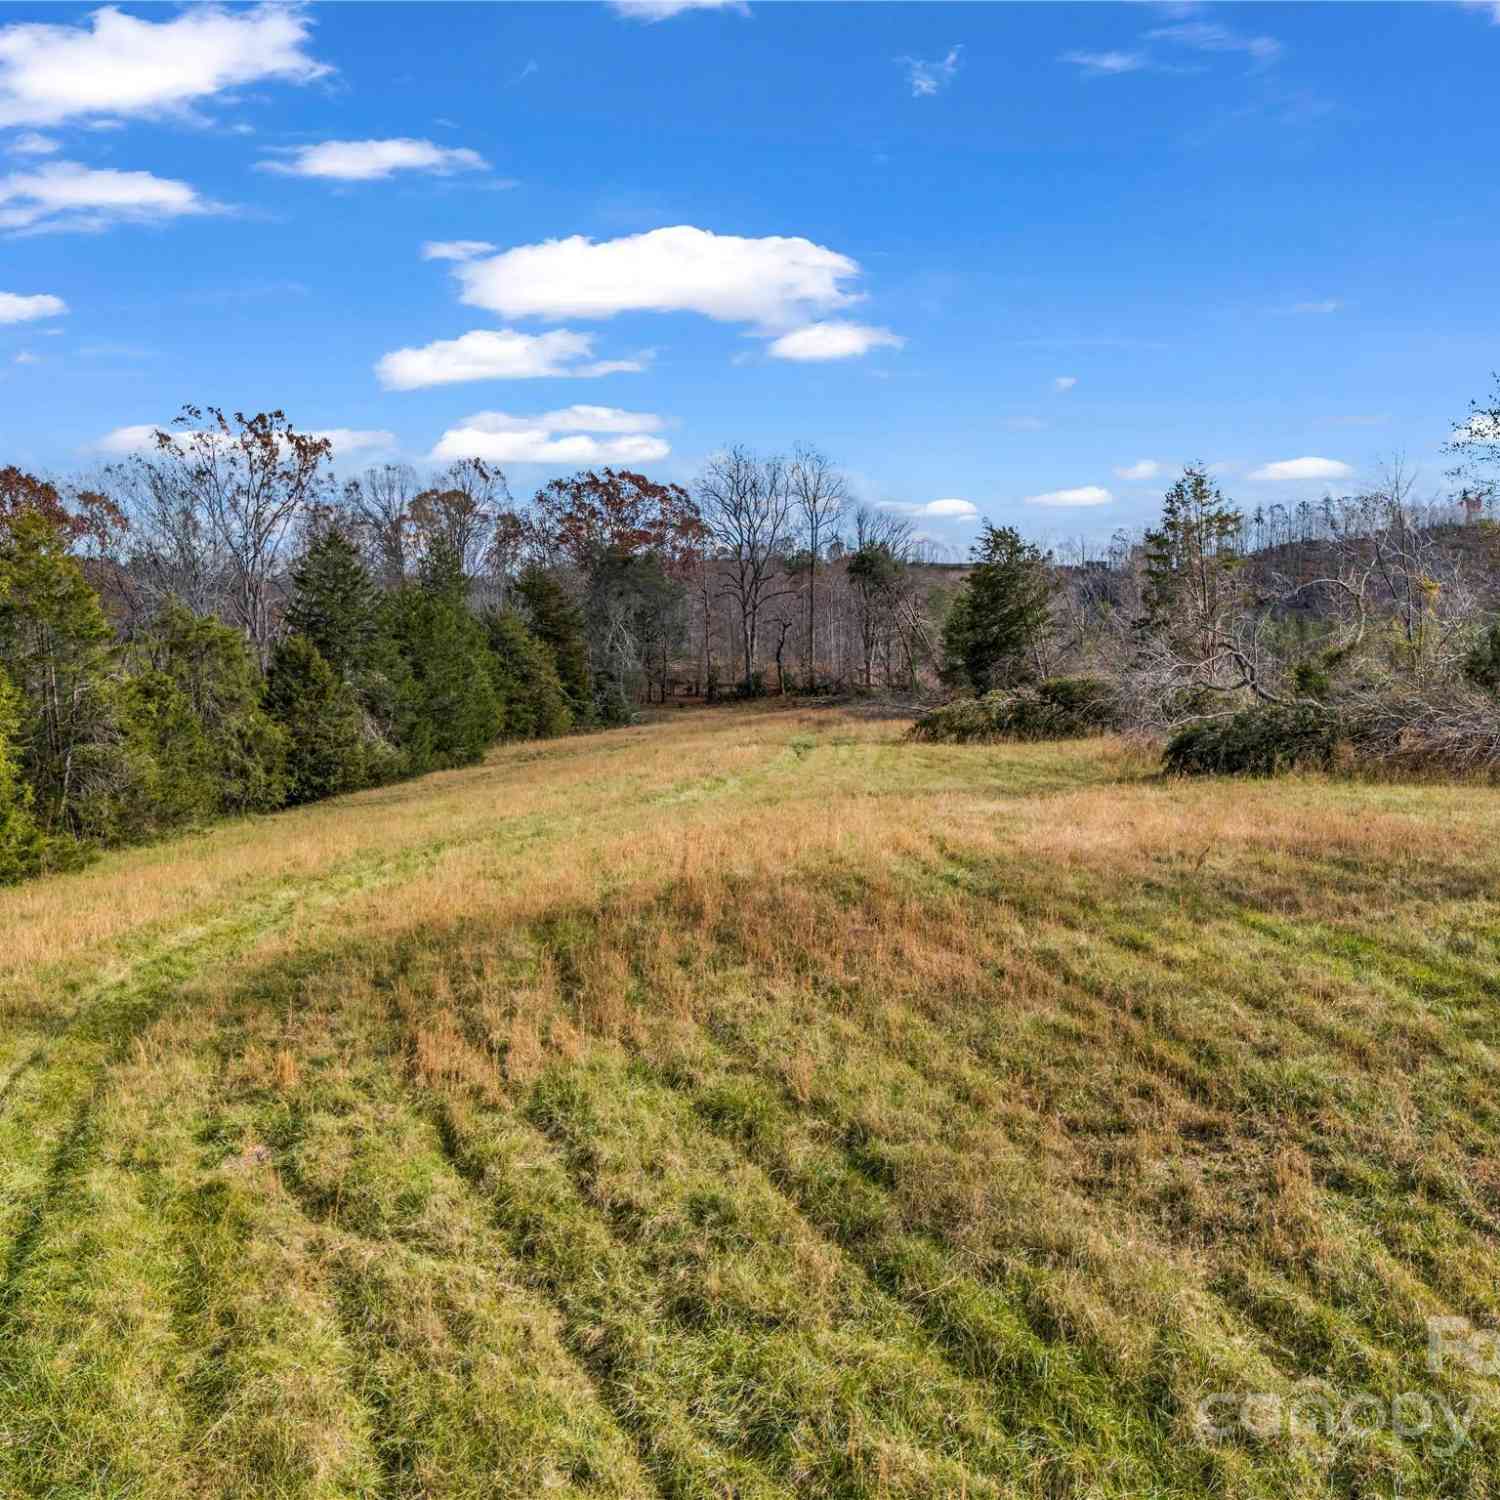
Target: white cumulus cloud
(1303,468)
(951,509)
(496,354)
(369,161)
(65,195)
(1085,494)
(140,437)
(17,309)
(1146,468)
(455,249)
(574,435)
(1062,383)
(351,440)
(833,340)
(774,282)
(115,65)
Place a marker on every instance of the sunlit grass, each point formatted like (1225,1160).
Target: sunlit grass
(753,1103)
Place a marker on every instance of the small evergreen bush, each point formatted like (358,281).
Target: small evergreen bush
(1264,740)
(1057,708)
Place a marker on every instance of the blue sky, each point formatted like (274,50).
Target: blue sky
(1031,258)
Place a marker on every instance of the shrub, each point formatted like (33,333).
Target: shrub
(1058,708)
(1265,740)
(1482,664)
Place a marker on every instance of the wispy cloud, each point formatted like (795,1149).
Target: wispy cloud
(1108,63)
(65,195)
(1084,495)
(1209,36)
(928,78)
(497,354)
(1146,468)
(651,11)
(455,249)
(1325,305)
(32,143)
(1062,383)
(370,161)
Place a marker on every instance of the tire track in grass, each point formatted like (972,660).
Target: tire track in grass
(802,1364)
(569,1257)
(1084,1429)
(469,1391)
(126,1307)
(931,1053)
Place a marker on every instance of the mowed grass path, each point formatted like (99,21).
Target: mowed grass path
(752,1104)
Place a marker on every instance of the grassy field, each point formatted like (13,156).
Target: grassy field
(752,1104)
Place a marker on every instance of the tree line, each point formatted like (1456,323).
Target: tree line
(219,626)
(1363,627)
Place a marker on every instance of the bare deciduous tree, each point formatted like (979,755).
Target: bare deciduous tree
(819,493)
(746,504)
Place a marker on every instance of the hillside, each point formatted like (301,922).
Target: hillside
(751,1103)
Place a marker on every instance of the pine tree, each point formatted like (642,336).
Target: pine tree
(321,718)
(336,605)
(525,676)
(455,712)
(214,668)
(1193,569)
(992,635)
(558,622)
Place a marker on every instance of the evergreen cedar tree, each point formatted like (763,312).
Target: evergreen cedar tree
(994,629)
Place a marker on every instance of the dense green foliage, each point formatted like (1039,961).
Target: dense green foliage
(59,652)
(322,721)
(21,843)
(997,622)
(455,714)
(1260,741)
(524,672)
(559,624)
(1054,709)
(107,742)
(1481,665)
(214,669)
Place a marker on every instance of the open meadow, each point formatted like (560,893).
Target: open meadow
(753,1103)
